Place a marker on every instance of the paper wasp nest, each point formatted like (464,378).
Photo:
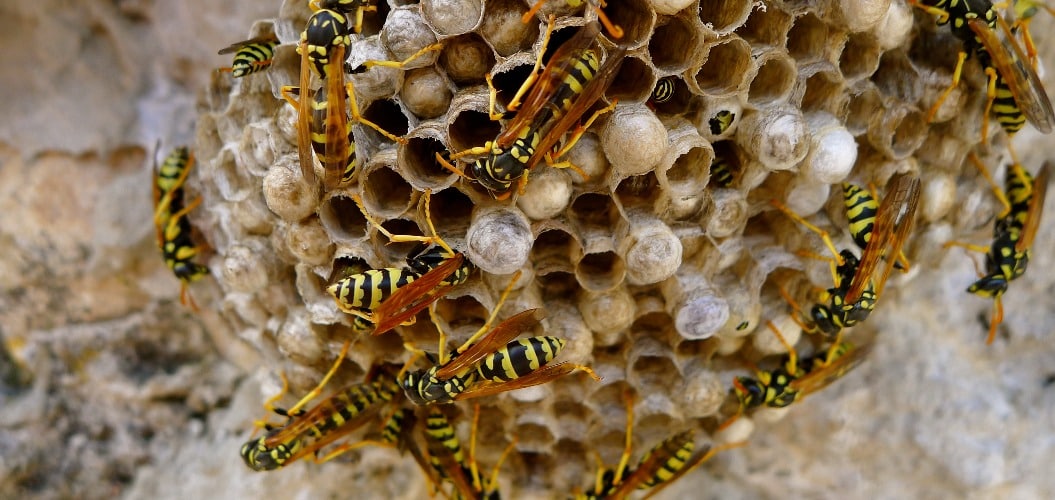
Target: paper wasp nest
(656,279)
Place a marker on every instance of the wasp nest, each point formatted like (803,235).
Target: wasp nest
(656,276)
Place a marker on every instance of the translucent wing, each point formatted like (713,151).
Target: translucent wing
(700,457)
(409,300)
(301,424)
(497,338)
(238,45)
(666,455)
(589,95)
(1036,208)
(540,97)
(336,119)
(541,376)
(893,222)
(304,117)
(1015,69)
(822,377)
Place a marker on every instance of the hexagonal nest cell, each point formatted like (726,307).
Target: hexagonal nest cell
(656,254)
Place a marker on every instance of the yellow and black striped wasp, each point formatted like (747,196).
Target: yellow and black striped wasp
(882,231)
(614,30)
(389,296)
(306,432)
(1014,91)
(323,125)
(1008,255)
(795,378)
(721,121)
(665,463)
(250,56)
(171,223)
(721,172)
(557,98)
(451,463)
(1018,94)
(322,48)
(663,91)
(724,165)
(490,361)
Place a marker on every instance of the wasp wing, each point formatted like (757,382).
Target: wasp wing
(1013,66)
(409,300)
(893,222)
(467,356)
(336,124)
(589,95)
(1036,208)
(823,376)
(238,45)
(666,455)
(304,118)
(540,99)
(545,374)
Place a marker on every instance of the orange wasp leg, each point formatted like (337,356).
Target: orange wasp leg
(314,393)
(833,263)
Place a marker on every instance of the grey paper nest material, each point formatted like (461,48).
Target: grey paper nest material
(655,279)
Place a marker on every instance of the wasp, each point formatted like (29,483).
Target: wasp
(490,361)
(1008,255)
(389,296)
(322,48)
(557,98)
(663,464)
(250,56)
(1017,94)
(795,378)
(307,432)
(883,232)
(721,170)
(171,223)
(450,461)
(663,91)
(1014,91)
(724,165)
(614,30)
(322,123)
(721,121)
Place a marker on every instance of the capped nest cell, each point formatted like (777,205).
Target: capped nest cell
(658,258)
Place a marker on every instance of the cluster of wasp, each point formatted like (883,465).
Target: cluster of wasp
(543,121)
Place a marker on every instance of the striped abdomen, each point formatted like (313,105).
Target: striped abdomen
(368,289)
(669,457)
(344,164)
(172,173)
(442,441)
(861,210)
(253,57)
(497,171)
(519,358)
(346,405)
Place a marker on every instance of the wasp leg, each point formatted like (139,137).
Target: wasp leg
(400,64)
(997,191)
(353,106)
(325,379)
(515,102)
